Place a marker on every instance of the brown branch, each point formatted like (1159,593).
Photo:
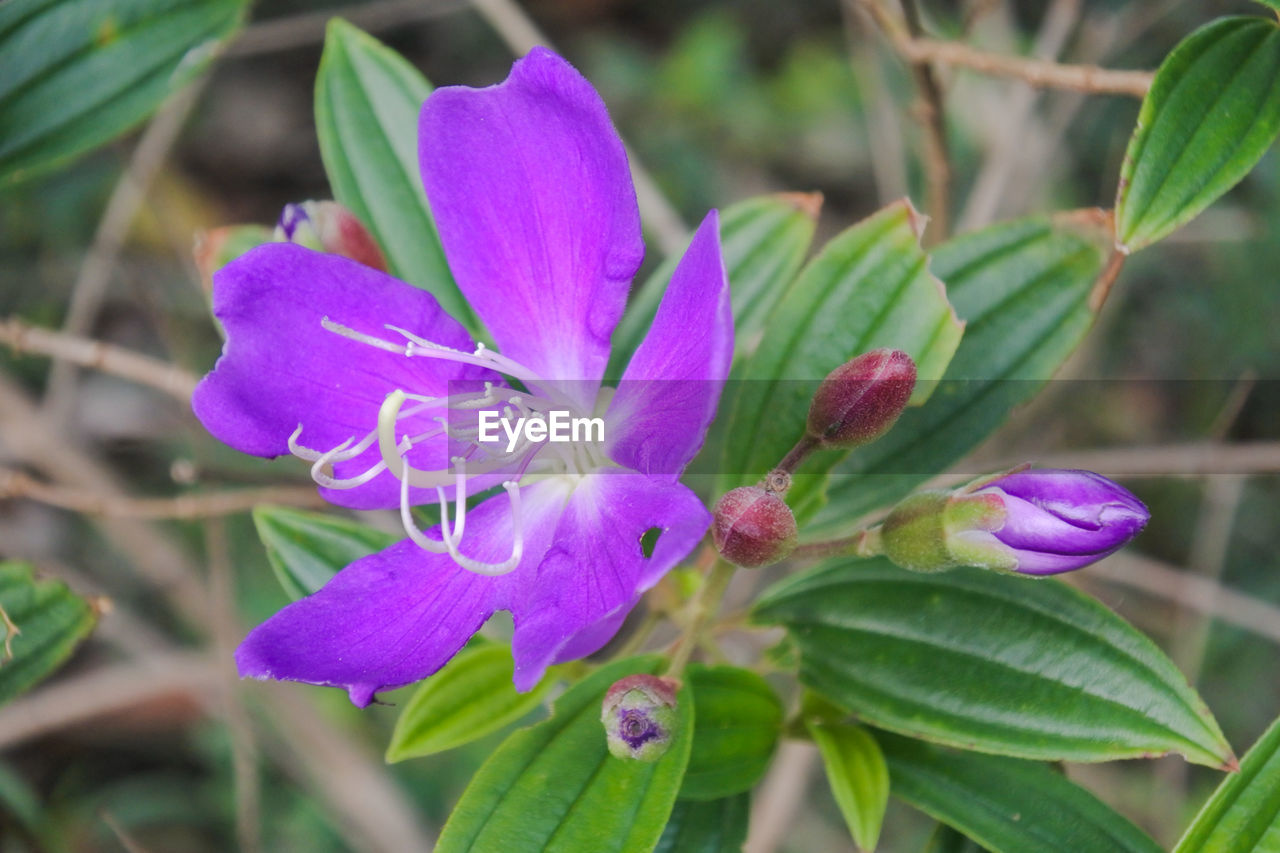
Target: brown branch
(106,690)
(1189,590)
(87,352)
(1037,72)
(15,484)
(307,28)
(930,112)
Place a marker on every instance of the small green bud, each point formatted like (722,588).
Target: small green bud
(639,716)
(935,531)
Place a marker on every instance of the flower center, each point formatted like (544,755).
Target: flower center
(524,449)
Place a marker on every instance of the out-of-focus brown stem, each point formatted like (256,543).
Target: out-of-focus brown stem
(15,484)
(932,116)
(87,352)
(1090,79)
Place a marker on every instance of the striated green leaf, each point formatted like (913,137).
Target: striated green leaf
(739,721)
(51,622)
(1023,289)
(1005,804)
(1212,111)
(764,240)
(948,840)
(869,287)
(1025,667)
(1244,813)
(857,775)
(77,73)
(306,549)
(555,787)
(367,103)
(707,826)
(468,699)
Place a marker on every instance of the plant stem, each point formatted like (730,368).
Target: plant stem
(797,454)
(864,543)
(702,608)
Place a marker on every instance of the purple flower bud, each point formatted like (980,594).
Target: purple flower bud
(1057,520)
(327,226)
(861,399)
(639,715)
(1033,522)
(753,527)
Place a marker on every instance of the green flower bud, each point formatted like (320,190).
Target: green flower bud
(639,716)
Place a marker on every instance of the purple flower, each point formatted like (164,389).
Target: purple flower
(1030,521)
(1056,520)
(369,380)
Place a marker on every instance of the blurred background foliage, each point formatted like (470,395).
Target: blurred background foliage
(720,101)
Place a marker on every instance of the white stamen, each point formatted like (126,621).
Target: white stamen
(406,519)
(517,543)
(347,332)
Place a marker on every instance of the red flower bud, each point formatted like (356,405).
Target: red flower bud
(753,527)
(861,399)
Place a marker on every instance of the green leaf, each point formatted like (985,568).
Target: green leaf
(857,775)
(51,621)
(1023,288)
(1212,111)
(306,549)
(367,103)
(707,826)
(1244,813)
(1025,667)
(78,73)
(869,287)
(1005,804)
(471,697)
(948,840)
(739,721)
(555,787)
(764,241)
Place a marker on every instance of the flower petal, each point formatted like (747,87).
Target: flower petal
(530,189)
(397,616)
(596,568)
(668,395)
(280,367)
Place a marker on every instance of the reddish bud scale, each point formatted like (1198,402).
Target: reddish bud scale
(753,527)
(861,399)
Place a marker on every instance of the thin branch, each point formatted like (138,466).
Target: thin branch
(15,484)
(126,199)
(1040,73)
(521,35)
(931,112)
(87,352)
(1015,130)
(1193,592)
(108,690)
(307,28)
(1171,460)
